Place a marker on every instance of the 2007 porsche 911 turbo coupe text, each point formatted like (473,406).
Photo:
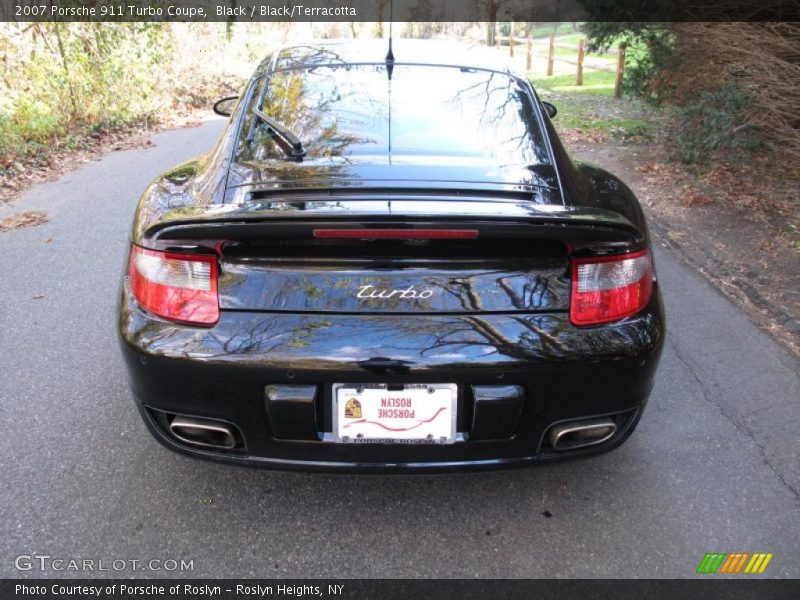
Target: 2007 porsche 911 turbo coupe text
(389,263)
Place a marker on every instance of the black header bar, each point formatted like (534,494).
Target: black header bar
(401,10)
(386,589)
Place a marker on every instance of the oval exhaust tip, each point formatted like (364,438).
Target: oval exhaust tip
(580,434)
(203,432)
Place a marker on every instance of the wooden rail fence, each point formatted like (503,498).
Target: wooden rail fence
(579,63)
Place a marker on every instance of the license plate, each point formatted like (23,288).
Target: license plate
(382,414)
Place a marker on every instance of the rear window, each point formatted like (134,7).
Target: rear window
(357,110)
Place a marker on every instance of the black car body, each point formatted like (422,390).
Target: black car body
(426,234)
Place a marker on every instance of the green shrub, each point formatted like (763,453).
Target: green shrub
(642,65)
(9,138)
(67,80)
(716,123)
(650,51)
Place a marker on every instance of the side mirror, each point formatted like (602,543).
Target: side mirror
(224,107)
(551,109)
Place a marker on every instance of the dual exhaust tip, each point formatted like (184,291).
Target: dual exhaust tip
(580,434)
(206,433)
(209,433)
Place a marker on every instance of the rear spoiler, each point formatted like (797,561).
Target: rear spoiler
(580,229)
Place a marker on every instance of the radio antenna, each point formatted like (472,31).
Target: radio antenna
(389,70)
(390,54)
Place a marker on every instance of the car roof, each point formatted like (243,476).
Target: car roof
(373,51)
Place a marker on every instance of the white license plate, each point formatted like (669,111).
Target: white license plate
(414,414)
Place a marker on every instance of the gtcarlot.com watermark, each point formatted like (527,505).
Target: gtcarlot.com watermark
(48,563)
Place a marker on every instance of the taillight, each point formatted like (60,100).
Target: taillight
(398,234)
(610,288)
(178,287)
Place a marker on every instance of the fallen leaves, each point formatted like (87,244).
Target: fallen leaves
(669,175)
(648,168)
(577,136)
(128,145)
(722,175)
(25,219)
(675,235)
(696,200)
(659,173)
(20,172)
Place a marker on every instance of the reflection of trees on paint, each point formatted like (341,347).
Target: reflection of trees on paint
(307,113)
(500,105)
(468,339)
(270,287)
(339,110)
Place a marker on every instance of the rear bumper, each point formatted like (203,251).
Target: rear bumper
(221,373)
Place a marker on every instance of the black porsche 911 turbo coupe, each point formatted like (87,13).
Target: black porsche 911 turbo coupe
(389,263)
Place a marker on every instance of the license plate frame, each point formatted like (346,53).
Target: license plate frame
(431,399)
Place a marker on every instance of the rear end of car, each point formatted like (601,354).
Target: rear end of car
(389,267)
(394,343)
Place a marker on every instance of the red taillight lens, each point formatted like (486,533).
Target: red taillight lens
(610,288)
(397,234)
(178,287)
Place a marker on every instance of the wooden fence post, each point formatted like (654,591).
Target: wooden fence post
(551,50)
(579,74)
(529,55)
(620,71)
(511,44)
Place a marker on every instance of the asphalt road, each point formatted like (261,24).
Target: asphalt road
(713,466)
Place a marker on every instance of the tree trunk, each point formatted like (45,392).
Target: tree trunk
(65,65)
(491,38)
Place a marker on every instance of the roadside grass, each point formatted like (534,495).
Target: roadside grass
(592,109)
(583,119)
(75,87)
(572,39)
(598,83)
(573,52)
(564,31)
(556,28)
(26,141)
